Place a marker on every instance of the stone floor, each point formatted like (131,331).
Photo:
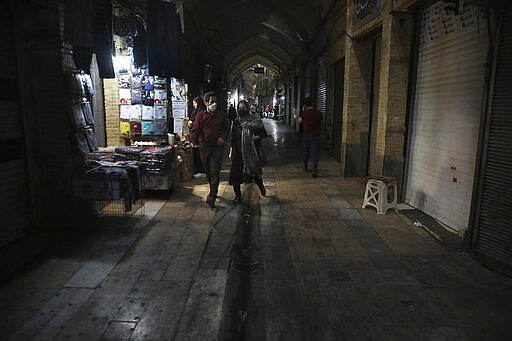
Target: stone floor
(304,263)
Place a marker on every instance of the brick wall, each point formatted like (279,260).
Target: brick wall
(356,102)
(396,60)
(396,45)
(394,79)
(396,37)
(356,105)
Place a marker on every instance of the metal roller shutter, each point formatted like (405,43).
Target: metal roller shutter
(494,231)
(15,199)
(446,113)
(321,86)
(339,71)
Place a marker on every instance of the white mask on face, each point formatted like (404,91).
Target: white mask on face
(212,107)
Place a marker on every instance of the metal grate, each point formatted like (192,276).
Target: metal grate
(118,208)
(494,235)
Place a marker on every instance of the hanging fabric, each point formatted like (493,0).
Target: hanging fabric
(163,37)
(88,27)
(103,41)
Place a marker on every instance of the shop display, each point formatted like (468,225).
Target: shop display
(179,105)
(106,180)
(97,180)
(143,102)
(90,137)
(81,118)
(132,153)
(148,113)
(86,109)
(148,128)
(160,163)
(124,127)
(148,107)
(155,166)
(146,103)
(81,142)
(77,116)
(160,127)
(160,113)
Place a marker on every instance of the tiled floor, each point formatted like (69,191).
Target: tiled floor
(322,268)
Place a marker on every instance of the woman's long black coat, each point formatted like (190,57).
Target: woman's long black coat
(253,161)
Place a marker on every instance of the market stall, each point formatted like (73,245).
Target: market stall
(148,149)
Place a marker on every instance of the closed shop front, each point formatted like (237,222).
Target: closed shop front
(339,72)
(446,113)
(15,199)
(491,237)
(321,85)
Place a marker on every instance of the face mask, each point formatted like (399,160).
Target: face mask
(212,107)
(243,112)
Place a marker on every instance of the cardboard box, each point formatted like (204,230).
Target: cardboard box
(186,167)
(157,181)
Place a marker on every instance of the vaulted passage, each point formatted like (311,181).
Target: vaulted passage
(305,262)
(117,114)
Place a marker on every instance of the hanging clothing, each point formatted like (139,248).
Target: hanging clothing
(163,38)
(140,53)
(88,27)
(103,38)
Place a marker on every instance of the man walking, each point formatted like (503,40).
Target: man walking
(311,120)
(210,130)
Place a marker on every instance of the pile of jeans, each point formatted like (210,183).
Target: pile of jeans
(114,181)
(158,159)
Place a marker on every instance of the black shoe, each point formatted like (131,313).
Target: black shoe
(263,191)
(314,175)
(210,201)
(237,200)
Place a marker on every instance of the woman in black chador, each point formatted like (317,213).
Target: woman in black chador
(198,169)
(247,158)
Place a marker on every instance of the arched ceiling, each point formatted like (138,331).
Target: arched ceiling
(245,33)
(240,34)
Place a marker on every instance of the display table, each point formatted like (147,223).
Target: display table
(108,181)
(160,164)
(124,173)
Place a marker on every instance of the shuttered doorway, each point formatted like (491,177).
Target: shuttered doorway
(337,126)
(321,85)
(493,242)
(446,113)
(15,198)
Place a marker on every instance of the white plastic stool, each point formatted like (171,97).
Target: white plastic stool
(377,191)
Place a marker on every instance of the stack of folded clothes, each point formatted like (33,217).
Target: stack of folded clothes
(158,159)
(104,180)
(131,153)
(103,154)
